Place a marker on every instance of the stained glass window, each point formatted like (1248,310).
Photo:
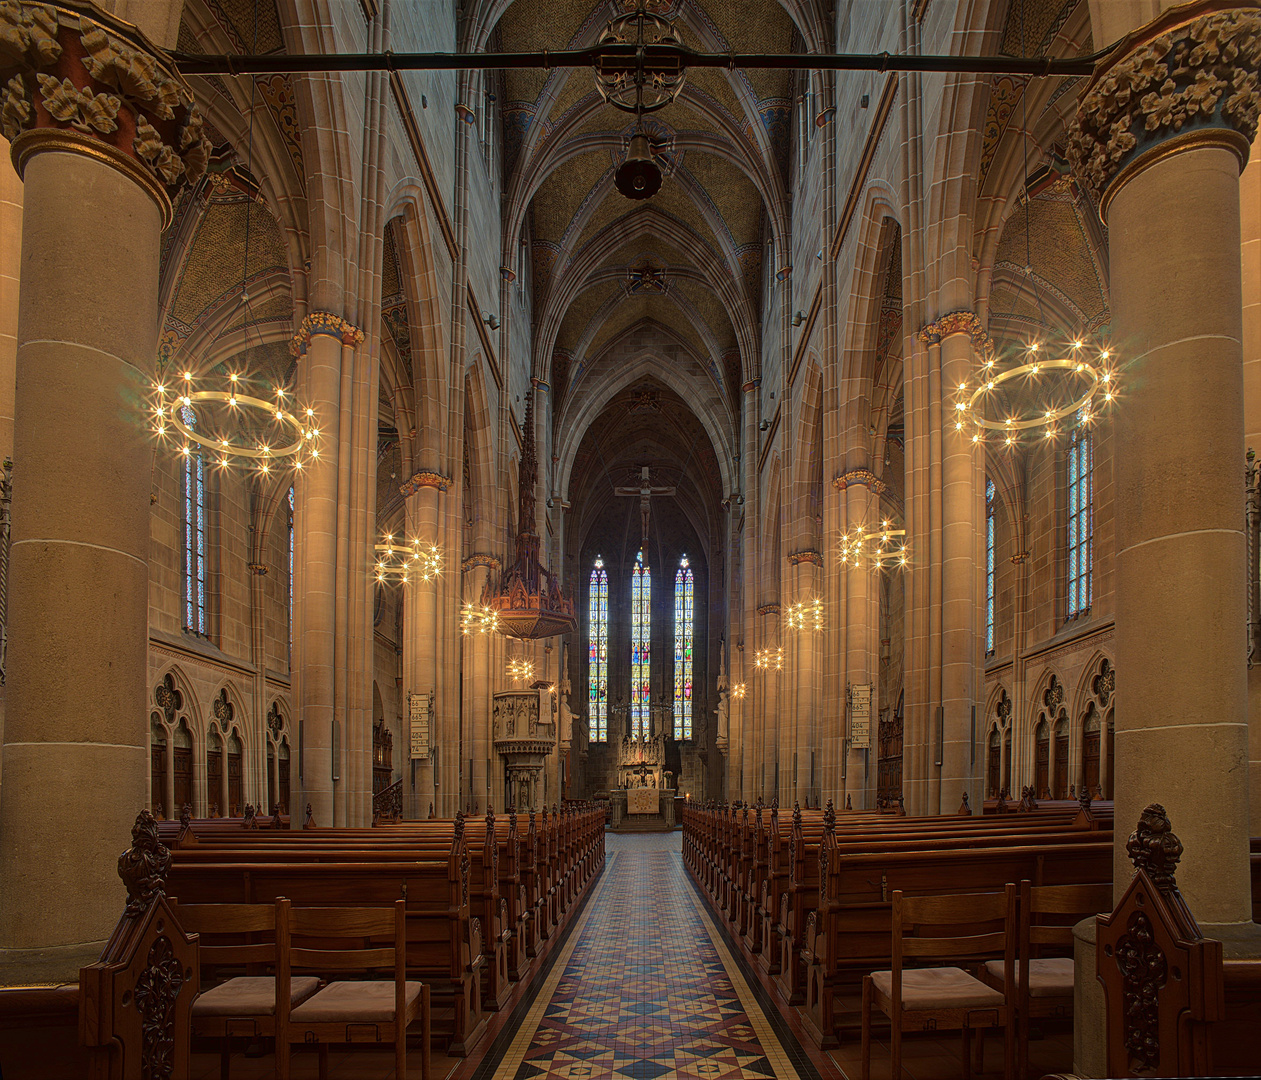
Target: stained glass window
(683,651)
(989,566)
(194,533)
(641,625)
(598,652)
(1081,514)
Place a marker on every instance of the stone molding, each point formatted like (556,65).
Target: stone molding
(768,609)
(326,324)
(806,555)
(257,568)
(860,478)
(477,559)
(98,87)
(424,479)
(1188,79)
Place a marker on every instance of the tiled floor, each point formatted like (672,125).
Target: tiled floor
(645,985)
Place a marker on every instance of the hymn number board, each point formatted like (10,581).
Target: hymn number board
(860,716)
(420,706)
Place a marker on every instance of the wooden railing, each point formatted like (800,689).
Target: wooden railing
(387,805)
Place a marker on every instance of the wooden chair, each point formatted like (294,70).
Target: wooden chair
(1047,916)
(243,1007)
(943,998)
(377,1011)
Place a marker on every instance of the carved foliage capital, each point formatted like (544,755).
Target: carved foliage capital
(423,479)
(324,324)
(1200,76)
(61,71)
(860,478)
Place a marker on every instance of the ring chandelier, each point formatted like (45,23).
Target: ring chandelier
(808,615)
(398,563)
(478,619)
(291,438)
(769,659)
(738,691)
(1088,370)
(883,547)
(521,670)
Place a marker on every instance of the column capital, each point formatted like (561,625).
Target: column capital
(324,323)
(424,479)
(96,86)
(478,559)
(750,386)
(1188,79)
(768,609)
(955,322)
(259,569)
(805,555)
(860,478)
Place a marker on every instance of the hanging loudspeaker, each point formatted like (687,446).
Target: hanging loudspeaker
(639,177)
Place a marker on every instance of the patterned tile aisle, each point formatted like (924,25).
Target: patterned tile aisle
(646,989)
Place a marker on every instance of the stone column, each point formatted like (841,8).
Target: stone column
(99,152)
(10,261)
(325,344)
(1250,259)
(1162,132)
(751,748)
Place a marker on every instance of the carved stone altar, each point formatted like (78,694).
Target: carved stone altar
(641,762)
(643,800)
(525,733)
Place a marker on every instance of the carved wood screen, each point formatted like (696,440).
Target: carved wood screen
(214,781)
(1061,757)
(889,757)
(183,763)
(282,777)
(1042,761)
(157,776)
(1090,751)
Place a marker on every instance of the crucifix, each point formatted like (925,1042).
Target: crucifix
(645,491)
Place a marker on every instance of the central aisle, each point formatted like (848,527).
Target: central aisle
(646,988)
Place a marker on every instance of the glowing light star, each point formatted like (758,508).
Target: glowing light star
(476,619)
(807,615)
(769,659)
(738,691)
(522,670)
(233,426)
(398,562)
(874,548)
(1062,385)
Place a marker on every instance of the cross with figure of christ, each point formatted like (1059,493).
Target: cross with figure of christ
(645,491)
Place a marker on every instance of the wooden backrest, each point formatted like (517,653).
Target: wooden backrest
(231,933)
(345,938)
(954,925)
(1049,912)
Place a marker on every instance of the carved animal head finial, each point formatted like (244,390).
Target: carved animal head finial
(829,817)
(144,866)
(796,814)
(1153,848)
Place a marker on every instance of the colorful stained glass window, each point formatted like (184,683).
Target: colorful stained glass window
(598,652)
(989,566)
(683,616)
(1081,525)
(641,628)
(194,533)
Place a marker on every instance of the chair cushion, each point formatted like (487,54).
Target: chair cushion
(1050,977)
(938,988)
(353,1002)
(251,995)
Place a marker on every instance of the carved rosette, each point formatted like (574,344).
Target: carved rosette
(97,87)
(324,324)
(1194,80)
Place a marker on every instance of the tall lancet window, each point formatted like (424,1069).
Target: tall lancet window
(194,532)
(598,652)
(683,651)
(1081,526)
(641,627)
(989,566)
(291,577)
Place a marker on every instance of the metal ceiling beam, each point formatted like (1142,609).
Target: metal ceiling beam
(649,57)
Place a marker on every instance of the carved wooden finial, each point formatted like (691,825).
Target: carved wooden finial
(901,805)
(490,818)
(1083,798)
(144,866)
(796,814)
(829,818)
(309,823)
(249,820)
(1154,849)
(459,825)
(849,802)
(775,803)
(965,808)
(1001,805)
(186,817)
(431,811)
(512,820)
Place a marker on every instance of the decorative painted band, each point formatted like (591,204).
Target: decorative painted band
(768,609)
(477,559)
(325,324)
(862,478)
(806,555)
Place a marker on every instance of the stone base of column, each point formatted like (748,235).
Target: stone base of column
(52,966)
